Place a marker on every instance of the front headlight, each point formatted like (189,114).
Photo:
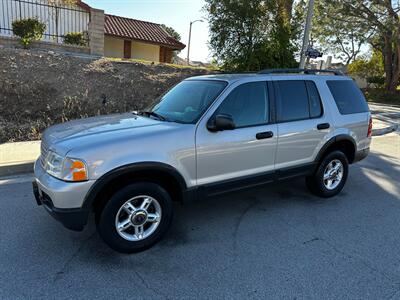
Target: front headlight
(68,169)
(53,164)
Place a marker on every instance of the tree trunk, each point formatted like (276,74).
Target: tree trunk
(388,64)
(396,62)
(285,8)
(396,72)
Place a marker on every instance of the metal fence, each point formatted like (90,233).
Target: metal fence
(59,20)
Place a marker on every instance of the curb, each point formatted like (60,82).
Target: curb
(16,169)
(384,104)
(383,131)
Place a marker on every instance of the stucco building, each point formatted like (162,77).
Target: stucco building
(131,38)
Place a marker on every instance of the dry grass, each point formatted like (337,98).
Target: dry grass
(40,89)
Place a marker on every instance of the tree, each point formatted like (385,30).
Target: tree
(172,32)
(382,19)
(338,33)
(370,68)
(251,35)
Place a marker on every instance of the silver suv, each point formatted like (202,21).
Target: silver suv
(207,135)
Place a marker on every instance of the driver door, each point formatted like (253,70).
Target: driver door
(244,156)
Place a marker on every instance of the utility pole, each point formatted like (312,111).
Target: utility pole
(190,36)
(307,30)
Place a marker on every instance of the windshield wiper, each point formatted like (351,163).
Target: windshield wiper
(154,114)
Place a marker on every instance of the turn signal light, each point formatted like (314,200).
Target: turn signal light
(78,171)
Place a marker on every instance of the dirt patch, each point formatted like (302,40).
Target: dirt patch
(38,89)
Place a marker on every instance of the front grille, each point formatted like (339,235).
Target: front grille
(43,152)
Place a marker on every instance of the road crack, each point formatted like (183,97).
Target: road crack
(148,286)
(364,262)
(66,265)
(237,226)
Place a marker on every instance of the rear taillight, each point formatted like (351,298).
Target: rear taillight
(370,127)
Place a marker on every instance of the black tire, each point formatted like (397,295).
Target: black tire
(106,217)
(315,183)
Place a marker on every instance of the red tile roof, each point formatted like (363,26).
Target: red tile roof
(83,5)
(139,30)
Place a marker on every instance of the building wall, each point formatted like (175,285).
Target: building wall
(114,47)
(96,32)
(361,82)
(10,42)
(144,51)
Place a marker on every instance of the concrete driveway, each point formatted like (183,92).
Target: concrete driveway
(272,242)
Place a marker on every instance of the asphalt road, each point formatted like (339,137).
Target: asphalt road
(272,242)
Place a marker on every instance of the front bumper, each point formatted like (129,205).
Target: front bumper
(74,218)
(63,200)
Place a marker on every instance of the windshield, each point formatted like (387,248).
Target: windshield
(186,102)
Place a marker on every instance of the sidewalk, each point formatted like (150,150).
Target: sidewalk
(381,127)
(386,118)
(17,158)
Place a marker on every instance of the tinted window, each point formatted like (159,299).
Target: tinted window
(187,101)
(247,104)
(348,97)
(292,101)
(315,100)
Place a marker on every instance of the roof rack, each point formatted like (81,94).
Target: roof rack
(304,71)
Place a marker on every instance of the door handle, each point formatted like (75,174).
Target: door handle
(264,135)
(323,126)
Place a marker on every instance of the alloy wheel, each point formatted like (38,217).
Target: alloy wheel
(138,218)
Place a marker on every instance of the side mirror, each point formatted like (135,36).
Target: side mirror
(220,122)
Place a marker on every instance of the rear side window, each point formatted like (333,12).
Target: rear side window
(348,97)
(297,100)
(293,101)
(315,100)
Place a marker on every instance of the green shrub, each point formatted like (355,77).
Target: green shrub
(30,29)
(74,38)
(377,81)
(380,95)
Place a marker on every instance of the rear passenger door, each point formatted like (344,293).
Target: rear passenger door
(302,123)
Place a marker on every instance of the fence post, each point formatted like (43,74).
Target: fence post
(57,31)
(20,10)
(96,31)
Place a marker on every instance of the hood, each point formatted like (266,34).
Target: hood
(95,126)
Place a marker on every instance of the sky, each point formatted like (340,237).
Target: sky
(174,13)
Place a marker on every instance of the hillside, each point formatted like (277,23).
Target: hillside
(38,89)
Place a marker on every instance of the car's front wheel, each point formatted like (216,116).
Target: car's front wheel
(136,217)
(331,175)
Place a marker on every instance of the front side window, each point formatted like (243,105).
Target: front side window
(247,104)
(187,101)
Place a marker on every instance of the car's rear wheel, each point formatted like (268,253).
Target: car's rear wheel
(136,217)
(331,175)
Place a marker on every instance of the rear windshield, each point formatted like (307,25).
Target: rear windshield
(348,97)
